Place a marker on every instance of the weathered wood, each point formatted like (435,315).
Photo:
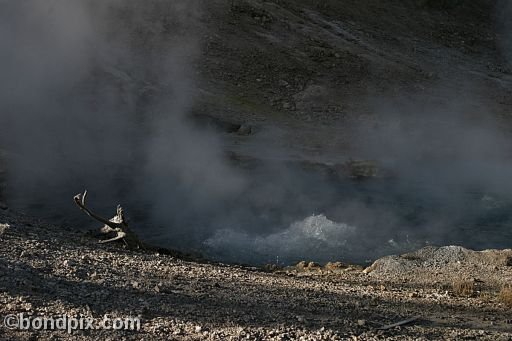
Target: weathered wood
(116,227)
(398,324)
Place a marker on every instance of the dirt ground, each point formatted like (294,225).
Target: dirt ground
(49,271)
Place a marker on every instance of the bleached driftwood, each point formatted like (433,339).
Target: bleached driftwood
(116,227)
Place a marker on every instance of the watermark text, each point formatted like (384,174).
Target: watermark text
(70,324)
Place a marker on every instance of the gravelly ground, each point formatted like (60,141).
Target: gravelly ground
(49,271)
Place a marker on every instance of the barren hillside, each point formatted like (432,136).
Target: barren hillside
(313,67)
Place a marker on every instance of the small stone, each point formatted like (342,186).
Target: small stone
(244,130)
(335,266)
(361,322)
(198,329)
(367,270)
(3,228)
(301,265)
(313,265)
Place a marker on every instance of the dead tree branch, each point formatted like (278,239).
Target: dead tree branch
(116,227)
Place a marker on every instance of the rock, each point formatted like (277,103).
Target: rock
(3,228)
(301,265)
(360,169)
(361,322)
(310,97)
(198,329)
(271,267)
(335,266)
(244,130)
(389,264)
(313,266)
(447,261)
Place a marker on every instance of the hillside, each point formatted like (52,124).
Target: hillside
(312,68)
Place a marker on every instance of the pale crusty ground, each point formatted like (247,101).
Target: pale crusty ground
(49,271)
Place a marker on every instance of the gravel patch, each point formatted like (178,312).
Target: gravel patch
(50,271)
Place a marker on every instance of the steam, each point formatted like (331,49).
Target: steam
(314,235)
(96,95)
(444,180)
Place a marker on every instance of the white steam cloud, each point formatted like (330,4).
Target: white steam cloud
(95,94)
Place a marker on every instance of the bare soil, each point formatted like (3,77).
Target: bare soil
(49,271)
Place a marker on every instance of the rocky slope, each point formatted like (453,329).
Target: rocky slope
(314,68)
